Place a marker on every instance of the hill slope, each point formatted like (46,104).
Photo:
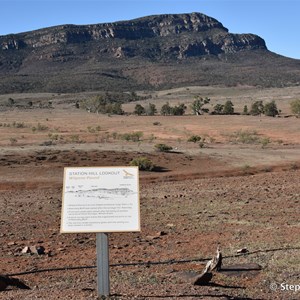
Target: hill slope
(151,52)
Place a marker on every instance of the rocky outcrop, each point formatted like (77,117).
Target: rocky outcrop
(150,52)
(196,34)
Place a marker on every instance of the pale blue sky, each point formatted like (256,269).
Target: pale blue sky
(276,21)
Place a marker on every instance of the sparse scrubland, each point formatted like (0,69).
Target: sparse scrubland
(225,178)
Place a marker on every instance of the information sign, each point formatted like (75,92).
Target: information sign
(100,199)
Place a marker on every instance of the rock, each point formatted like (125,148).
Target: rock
(11,243)
(34,250)
(25,250)
(242,250)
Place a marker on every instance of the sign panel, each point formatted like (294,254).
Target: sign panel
(100,199)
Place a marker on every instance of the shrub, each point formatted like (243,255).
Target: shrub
(18,124)
(257,108)
(218,109)
(13,141)
(264,142)
(228,108)
(245,137)
(39,127)
(194,138)
(295,107)
(197,105)
(245,110)
(133,136)
(144,163)
(271,109)
(163,148)
(139,110)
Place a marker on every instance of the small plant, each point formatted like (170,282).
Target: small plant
(245,137)
(53,137)
(74,138)
(144,163)
(151,138)
(133,136)
(246,169)
(294,167)
(39,127)
(18,125)
(114,135)
(163,148)
(93,130)
(13,141)
(194,138)
(264,142)
(156,123)
(201,144)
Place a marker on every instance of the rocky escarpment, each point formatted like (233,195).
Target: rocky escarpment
(202,35)
(155,51)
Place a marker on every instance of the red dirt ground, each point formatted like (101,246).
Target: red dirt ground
(190,204)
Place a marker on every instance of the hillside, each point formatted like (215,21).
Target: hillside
(161,51)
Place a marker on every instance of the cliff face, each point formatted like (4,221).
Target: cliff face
(195,34)
(154,51)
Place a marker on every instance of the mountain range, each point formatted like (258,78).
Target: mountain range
(153,52)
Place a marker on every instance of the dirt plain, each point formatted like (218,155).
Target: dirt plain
(232,193)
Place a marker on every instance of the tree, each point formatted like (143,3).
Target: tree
(11,102)
(257,108)
(139,109)
(165,109)
(218,109)
(178,110)
(295,107)
(228,108)
(95,105)
(270,109)
(100,104)
(197,105)
(116,109)
(151,111)
(245,110)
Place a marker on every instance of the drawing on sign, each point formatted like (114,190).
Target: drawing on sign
(100,193)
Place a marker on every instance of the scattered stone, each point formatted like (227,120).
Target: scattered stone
(242,250)
(11,243)
(161,233)
(25,250)
(33,250)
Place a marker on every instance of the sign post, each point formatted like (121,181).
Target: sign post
(102,264)
(101,200)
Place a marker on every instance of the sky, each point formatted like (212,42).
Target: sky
(276,21)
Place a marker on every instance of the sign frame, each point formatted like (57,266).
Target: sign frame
(106,189)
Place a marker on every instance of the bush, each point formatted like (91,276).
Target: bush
(194,138)
(245,137)
(39,127)
(163,148)
(134,136)
(228,108)
(295,107)
(144,163)
(257,108)
(271,109)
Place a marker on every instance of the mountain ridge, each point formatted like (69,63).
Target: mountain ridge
(138,54)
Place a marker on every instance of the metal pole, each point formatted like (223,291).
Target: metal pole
(102,264)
